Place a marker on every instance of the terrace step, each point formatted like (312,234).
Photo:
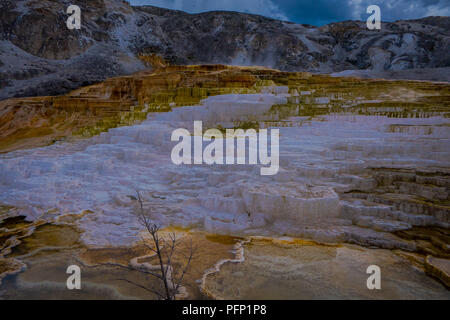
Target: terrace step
(413,205)
(355,209)
(381,224)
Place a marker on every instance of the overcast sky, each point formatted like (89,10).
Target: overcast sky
(315,12)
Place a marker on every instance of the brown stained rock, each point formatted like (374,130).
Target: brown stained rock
(438,268)
(39,121)
(10,267)
(429,241)
(30,122)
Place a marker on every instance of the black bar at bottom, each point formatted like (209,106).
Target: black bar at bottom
(243,309)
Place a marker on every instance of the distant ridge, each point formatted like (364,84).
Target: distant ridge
(40,56)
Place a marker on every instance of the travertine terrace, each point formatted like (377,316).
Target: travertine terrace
(362,163)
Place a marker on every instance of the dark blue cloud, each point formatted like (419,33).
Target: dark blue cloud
(315,12)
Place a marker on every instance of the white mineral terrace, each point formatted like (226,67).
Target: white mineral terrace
(342,178)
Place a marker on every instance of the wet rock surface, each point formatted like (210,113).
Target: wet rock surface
(37,267)
(290,269)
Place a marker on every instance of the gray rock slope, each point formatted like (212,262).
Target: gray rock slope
(39,55)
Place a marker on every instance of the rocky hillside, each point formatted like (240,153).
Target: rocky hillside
(39,55)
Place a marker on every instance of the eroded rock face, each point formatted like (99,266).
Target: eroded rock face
(41,56)
(36,45)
